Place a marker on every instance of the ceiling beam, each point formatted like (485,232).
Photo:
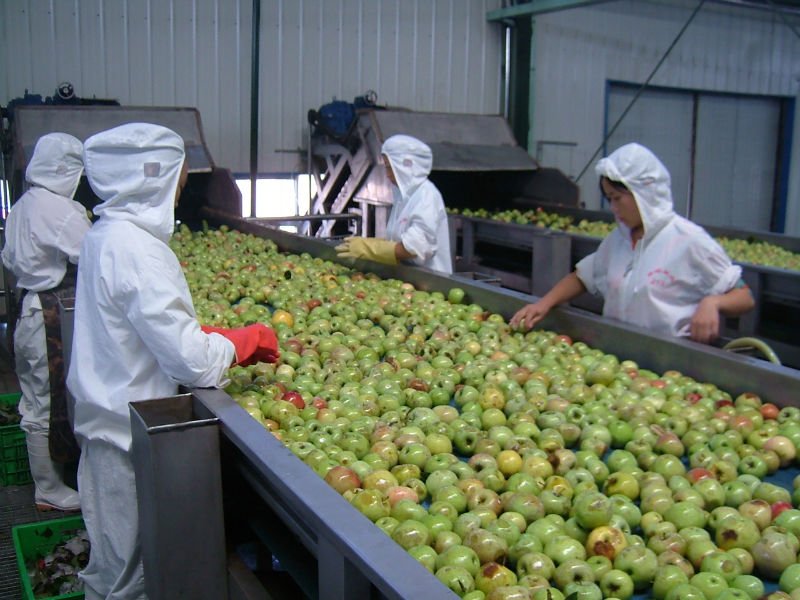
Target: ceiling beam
(537,7)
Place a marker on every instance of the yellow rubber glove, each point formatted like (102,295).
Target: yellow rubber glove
(376,249)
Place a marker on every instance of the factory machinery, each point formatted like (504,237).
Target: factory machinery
(212,480)
(475,158)
(534,257)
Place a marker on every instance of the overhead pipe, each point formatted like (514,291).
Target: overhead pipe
(507,74)
(256,46)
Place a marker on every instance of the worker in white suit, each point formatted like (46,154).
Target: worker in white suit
(417,230)
(43,233)
(656,269)
(136,337)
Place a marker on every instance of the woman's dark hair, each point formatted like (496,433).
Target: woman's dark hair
(617,185)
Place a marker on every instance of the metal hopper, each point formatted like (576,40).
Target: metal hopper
(476,162)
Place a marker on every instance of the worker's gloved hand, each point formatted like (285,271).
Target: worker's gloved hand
(254,343)
(382,251)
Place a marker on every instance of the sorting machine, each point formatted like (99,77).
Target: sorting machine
(270,496)
(217,491)
(476,160)
(533,258)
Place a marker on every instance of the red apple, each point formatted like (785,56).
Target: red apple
(342,479)
(779,507)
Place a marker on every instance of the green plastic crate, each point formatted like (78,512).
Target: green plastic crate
(38,539)
(14,467)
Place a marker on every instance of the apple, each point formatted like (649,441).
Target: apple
(592,509)
(444,540)
(492,576)
(617,584)
(710,584)
(526,504)
(456,578)
(789,580)
(736,493)
(439,479)
(387,524)
(638,562)
(771,493)
(562,547)
(605,541)
(342,479)
(686,514)
(774,552)
(780,507)
(425,555)
(509,592)
(371,503)
(745,559)
(459,556)
(411,533)
(488,546)
(723,564)
(667,577)
(685,591)
(535,563)
(783,447)
(752,586)
(455,295)
(789,519)
(526,543)
(573,571)
(622,483)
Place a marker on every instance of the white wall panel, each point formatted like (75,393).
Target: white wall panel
(725,49)
(425,55)
(438,55)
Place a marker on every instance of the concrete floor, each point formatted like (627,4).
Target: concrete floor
(16,501)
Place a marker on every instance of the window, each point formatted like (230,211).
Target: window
(723,151)
(278,196)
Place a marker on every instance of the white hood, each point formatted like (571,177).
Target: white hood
(135,169)
(56,164)
(411,161)
(648,179)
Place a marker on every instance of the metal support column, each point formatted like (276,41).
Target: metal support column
(337,576)
(179,487)
(750,323)
(468,243)
(551,261)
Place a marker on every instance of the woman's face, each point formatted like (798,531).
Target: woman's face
(389,171)
(182,181)
(623,205)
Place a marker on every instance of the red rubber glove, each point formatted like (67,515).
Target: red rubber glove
(254,343)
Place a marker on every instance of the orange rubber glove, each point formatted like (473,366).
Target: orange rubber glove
(254,343)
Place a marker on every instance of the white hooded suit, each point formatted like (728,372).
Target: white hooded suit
(43,232)
(136,337)
(659,283)
(418,218)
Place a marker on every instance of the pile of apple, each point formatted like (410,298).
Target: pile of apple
(513,465)
(541,218)
(751,251)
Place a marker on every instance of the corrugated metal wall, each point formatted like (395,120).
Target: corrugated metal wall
(437,55)
(725,49)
